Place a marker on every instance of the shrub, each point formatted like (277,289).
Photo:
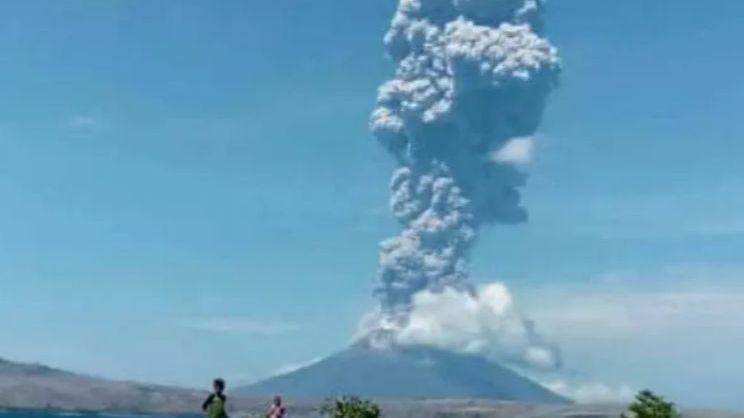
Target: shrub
(350,407)
(650,405)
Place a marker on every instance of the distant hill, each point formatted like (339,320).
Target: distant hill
(35,386)
(419,372)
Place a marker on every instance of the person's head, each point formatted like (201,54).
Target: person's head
(277,400)
(218,385)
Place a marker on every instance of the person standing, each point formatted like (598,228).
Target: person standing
(214,405)
(276,409)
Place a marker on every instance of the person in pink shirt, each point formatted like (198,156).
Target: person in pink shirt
(276,410)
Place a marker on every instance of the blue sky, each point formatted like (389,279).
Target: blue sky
(183,181)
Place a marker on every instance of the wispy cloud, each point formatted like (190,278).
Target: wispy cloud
(618,312)
(591,392)
(238,326)
(658,329)
(293,367)
(82,122)
(709,213)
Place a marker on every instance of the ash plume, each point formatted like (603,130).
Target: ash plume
(471,81)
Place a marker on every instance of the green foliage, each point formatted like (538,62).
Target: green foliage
(350,407)
(650,405)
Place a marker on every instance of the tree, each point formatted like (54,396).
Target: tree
(650,405)
(350,407)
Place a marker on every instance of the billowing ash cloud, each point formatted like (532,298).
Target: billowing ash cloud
(471,77)
(471,81)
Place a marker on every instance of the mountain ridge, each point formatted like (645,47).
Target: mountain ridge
(411,372)
(38,386)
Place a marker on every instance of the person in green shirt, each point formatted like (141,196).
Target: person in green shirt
(214,405)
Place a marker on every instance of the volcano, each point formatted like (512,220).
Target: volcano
(409,372)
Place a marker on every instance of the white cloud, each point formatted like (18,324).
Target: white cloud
(591,392)
(482,322)
(516,151)
(293,367)
(238,325)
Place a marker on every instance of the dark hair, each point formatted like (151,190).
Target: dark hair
(219,384)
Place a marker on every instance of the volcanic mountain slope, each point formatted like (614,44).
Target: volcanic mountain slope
(419,372)
(36,386)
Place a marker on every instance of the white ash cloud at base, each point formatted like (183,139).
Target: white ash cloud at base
(484,321)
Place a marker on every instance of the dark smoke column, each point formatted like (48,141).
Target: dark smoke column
(472,77)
